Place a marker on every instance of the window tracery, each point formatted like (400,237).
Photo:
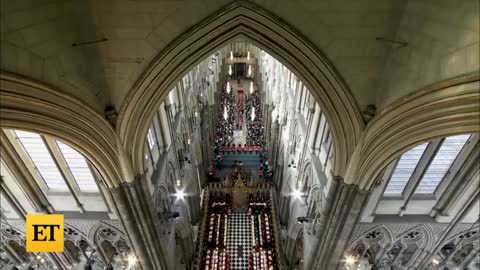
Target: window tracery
(378,247)
(433,173)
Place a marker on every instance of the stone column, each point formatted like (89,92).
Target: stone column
(162,143)
(299,98)
(164,127)
(191,181)
(343,206)
(284,208)
(272,141)
(311,128)
(290,250)
(171,126)
(135,207)
(186,243)
(179,94)
(314,129)
(379,255)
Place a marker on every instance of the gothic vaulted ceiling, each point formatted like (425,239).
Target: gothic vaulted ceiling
(37,40)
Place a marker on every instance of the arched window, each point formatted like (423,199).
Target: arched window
(49,166)
(423,168)
(64,175)
(404,169)
(42,159)
(441,163)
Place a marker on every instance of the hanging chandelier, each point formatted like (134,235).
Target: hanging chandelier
(249,70)
(251,87)
(252,114)
(228,87)
(231,55)
(230,70)
(248,56)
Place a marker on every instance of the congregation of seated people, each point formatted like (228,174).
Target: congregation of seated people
(233,148)
(255,127)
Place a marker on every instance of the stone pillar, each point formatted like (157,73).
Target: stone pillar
(277,178)
(314,128)
(135,207)
(164,127)
(191,181)
(290,250)
(162,142)
(171,126)
(186,243)
(380,254)
(299,98)
(343,206)
(284,208)
(179,94)
(272,141)
(311,128)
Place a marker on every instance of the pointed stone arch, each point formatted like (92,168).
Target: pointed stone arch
(459,250)
(439,110)
(76,243)
(295,229)
(74,234)
(427,239)
(11,233)
(249,21)
(295,234)
(103,231)
(161,198)
(31,106)
(108,239)
(184,236)
(382,234)
(315,198)
(413,243)
(182,227)
(307,174)
(11,237)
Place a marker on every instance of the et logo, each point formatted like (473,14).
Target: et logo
(44,233)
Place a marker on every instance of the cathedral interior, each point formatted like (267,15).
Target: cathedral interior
(225,135)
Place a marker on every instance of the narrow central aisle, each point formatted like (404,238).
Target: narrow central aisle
(240,230)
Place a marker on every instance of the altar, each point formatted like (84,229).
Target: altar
(239,197)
